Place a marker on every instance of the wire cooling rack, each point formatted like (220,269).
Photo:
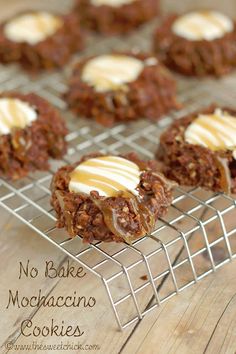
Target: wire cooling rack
(195,238)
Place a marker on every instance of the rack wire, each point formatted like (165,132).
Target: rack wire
(195,238)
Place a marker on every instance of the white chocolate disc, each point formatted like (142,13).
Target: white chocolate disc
(15,113)
(216,131)
(107,175)
(32,28)
(112,3)
(205,25)
(111,72)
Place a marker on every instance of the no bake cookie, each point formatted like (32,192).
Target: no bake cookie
(121,88)
(110,198)
(31,132)
(115,16)
(40,40)
(200,150)
(197,43)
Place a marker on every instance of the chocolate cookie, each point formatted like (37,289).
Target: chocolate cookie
(31,132)
(197,43)
(200,150)
(115,16)
(40,40)
(121,88)
(110,198)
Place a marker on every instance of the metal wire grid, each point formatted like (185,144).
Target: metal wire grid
(195,238)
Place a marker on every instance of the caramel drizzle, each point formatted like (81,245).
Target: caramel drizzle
(111,3)
(104,79)
(225,178)
(98,163)
(219,134)
(45,26)
(113,188)
(18,118)
(108,184)
(196,29)
(213,19)
(111,217)
(40,24)
(221,128)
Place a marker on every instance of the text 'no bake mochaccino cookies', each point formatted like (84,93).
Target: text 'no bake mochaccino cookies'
(110,198)
(115,16)
(40,40)
(200,150)
(121,88)
(197,43)
(31,132)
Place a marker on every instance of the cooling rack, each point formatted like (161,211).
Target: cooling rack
(195,238)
